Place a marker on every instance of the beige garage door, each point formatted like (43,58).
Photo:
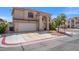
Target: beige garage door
(27,26)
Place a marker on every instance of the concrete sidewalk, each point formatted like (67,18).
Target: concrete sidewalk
(19,38)
(16,38)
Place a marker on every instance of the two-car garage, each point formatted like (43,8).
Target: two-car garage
(25,26)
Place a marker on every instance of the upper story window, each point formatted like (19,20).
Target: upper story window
(30,15)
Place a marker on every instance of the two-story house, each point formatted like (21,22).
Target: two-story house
(25,19)
(76,22)
(73,22)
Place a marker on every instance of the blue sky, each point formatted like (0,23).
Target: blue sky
(5,12)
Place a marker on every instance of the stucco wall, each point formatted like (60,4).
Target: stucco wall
(18,14)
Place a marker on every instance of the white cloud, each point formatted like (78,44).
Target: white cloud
(5,18)
(54,16)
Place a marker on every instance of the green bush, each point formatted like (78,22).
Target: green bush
(3,27)
(52,26)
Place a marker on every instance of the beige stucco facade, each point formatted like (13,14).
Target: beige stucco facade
(37,21)
(73,23)
(76,22)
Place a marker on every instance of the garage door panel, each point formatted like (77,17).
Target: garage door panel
(27,26)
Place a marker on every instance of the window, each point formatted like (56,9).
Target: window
(30,15)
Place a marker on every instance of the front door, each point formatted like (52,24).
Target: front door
(44,23)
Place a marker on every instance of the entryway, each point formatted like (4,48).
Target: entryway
(44,19)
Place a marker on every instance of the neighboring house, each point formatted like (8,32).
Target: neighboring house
(25,19)
(76,22)
(73,22)
(70,23)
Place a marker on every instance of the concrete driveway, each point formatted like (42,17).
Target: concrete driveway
(15,39)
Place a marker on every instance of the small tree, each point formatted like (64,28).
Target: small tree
(60,20)
(63,20)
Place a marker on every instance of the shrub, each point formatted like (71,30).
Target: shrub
(3,27)
(52,26)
